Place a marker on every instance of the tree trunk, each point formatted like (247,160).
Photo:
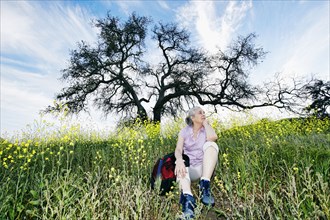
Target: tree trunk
(157,114)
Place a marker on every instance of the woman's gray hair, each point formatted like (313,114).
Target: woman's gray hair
(191,113)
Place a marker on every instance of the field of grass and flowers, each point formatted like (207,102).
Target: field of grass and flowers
(266,170)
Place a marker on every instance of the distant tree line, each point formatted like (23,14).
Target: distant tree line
(116,77)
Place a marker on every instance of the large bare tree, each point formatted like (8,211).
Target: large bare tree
(116,77)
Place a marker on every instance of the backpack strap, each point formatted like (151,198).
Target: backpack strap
(159,167)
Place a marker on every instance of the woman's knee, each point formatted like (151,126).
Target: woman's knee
(209,144)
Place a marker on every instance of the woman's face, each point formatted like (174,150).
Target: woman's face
(199,116)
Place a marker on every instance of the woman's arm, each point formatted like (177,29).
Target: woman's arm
(210,133)
(180,168)
(179,149)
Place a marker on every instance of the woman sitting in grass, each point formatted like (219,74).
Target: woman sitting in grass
(197,141)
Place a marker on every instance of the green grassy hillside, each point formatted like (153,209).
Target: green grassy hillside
(266,170)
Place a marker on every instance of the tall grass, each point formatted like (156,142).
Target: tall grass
(266,170)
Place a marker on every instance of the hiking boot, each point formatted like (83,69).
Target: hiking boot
(188,205)
(205,192)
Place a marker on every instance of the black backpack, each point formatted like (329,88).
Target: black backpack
(164,168)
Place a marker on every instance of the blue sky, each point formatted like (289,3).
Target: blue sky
(37,36)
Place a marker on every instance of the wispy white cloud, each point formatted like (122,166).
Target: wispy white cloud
(22,99)
(33,81)
(128,6)
(35,43)
(298,42)
(19,105)
(309,53)
(214,22)
(43,32)
(163,4)
(234,15)
(298,47)
(23,95)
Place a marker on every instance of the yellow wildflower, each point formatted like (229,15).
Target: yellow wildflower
(295,169)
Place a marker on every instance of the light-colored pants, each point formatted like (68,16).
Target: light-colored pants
(194,173)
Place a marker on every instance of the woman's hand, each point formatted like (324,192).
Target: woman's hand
(210,133)
(180,169)
(205,122)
